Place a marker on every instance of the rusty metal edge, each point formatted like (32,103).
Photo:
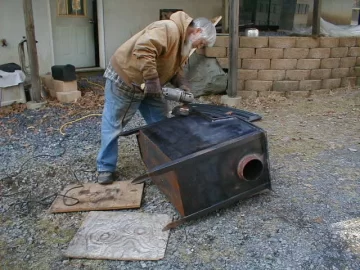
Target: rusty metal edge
(225,203)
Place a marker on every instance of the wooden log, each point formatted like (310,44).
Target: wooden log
(35,91)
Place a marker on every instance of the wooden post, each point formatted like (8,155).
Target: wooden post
(35,91)
(233,47)
(316,18)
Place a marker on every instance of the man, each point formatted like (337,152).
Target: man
(153,56)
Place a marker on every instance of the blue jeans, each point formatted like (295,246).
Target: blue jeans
(120,106)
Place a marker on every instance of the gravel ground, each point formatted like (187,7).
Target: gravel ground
(311,219)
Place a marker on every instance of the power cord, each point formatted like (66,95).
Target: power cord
(77,120)
(25,204)
(55,195)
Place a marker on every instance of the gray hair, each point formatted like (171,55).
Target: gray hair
(208,30)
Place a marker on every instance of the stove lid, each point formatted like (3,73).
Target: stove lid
(180,136)
(217,111)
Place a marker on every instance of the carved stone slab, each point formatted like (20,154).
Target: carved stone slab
(120,236)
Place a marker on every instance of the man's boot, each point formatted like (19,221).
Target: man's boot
(106,178)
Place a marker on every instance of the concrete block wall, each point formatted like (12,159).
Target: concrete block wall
(299,66)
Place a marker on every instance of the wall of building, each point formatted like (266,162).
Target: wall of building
(337,12)
(334,11)
(289,66)
(12,28)
(302,12)
(123,18)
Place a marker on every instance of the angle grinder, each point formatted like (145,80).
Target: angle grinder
(178,95)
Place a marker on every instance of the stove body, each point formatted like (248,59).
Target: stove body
(210,164)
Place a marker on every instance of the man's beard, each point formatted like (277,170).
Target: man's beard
(186,49)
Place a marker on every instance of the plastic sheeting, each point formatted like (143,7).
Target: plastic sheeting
(330,30)
(8,79)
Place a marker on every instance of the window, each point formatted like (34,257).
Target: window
(261,8)
(71,8)
(302,9)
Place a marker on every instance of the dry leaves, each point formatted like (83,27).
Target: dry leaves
(12,109)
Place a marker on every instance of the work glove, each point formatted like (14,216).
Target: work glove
(153,87)
(186,88)
(180,82)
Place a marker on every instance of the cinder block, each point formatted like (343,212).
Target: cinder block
(47,81)
(246,53)
(354,51)
(347,42)
(309,85)
(282,42)
(352,72)
(307,42)
(247,74)
(68,97)
(61,86)
(358,61)
(339,52)
(52,93)
(256,85)
(320,74)
(240,85)
(297,75)
(256,63)
(298,94)
(296,53)
(308,64)
(248,94)
(282,86)
(356,71)
(200,51)
(254,42)
(271,75)
(347,62)
(320,92)
(348,82)
(358,41)
(329,42)
(269,53)
(283,63)
(215,52)
(222,41)
(330,63)
(269,94)
(223,62)
(331,83)
(317,53)
(340,72)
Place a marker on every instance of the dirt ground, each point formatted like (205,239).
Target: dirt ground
(310,220)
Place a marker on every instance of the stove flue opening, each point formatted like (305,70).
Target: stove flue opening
(250,168)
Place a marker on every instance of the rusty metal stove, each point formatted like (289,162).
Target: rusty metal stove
(205,162)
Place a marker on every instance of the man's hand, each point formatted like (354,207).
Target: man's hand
(180,82)
(185,87)
(153,87)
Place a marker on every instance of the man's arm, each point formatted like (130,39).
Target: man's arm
(147,48)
